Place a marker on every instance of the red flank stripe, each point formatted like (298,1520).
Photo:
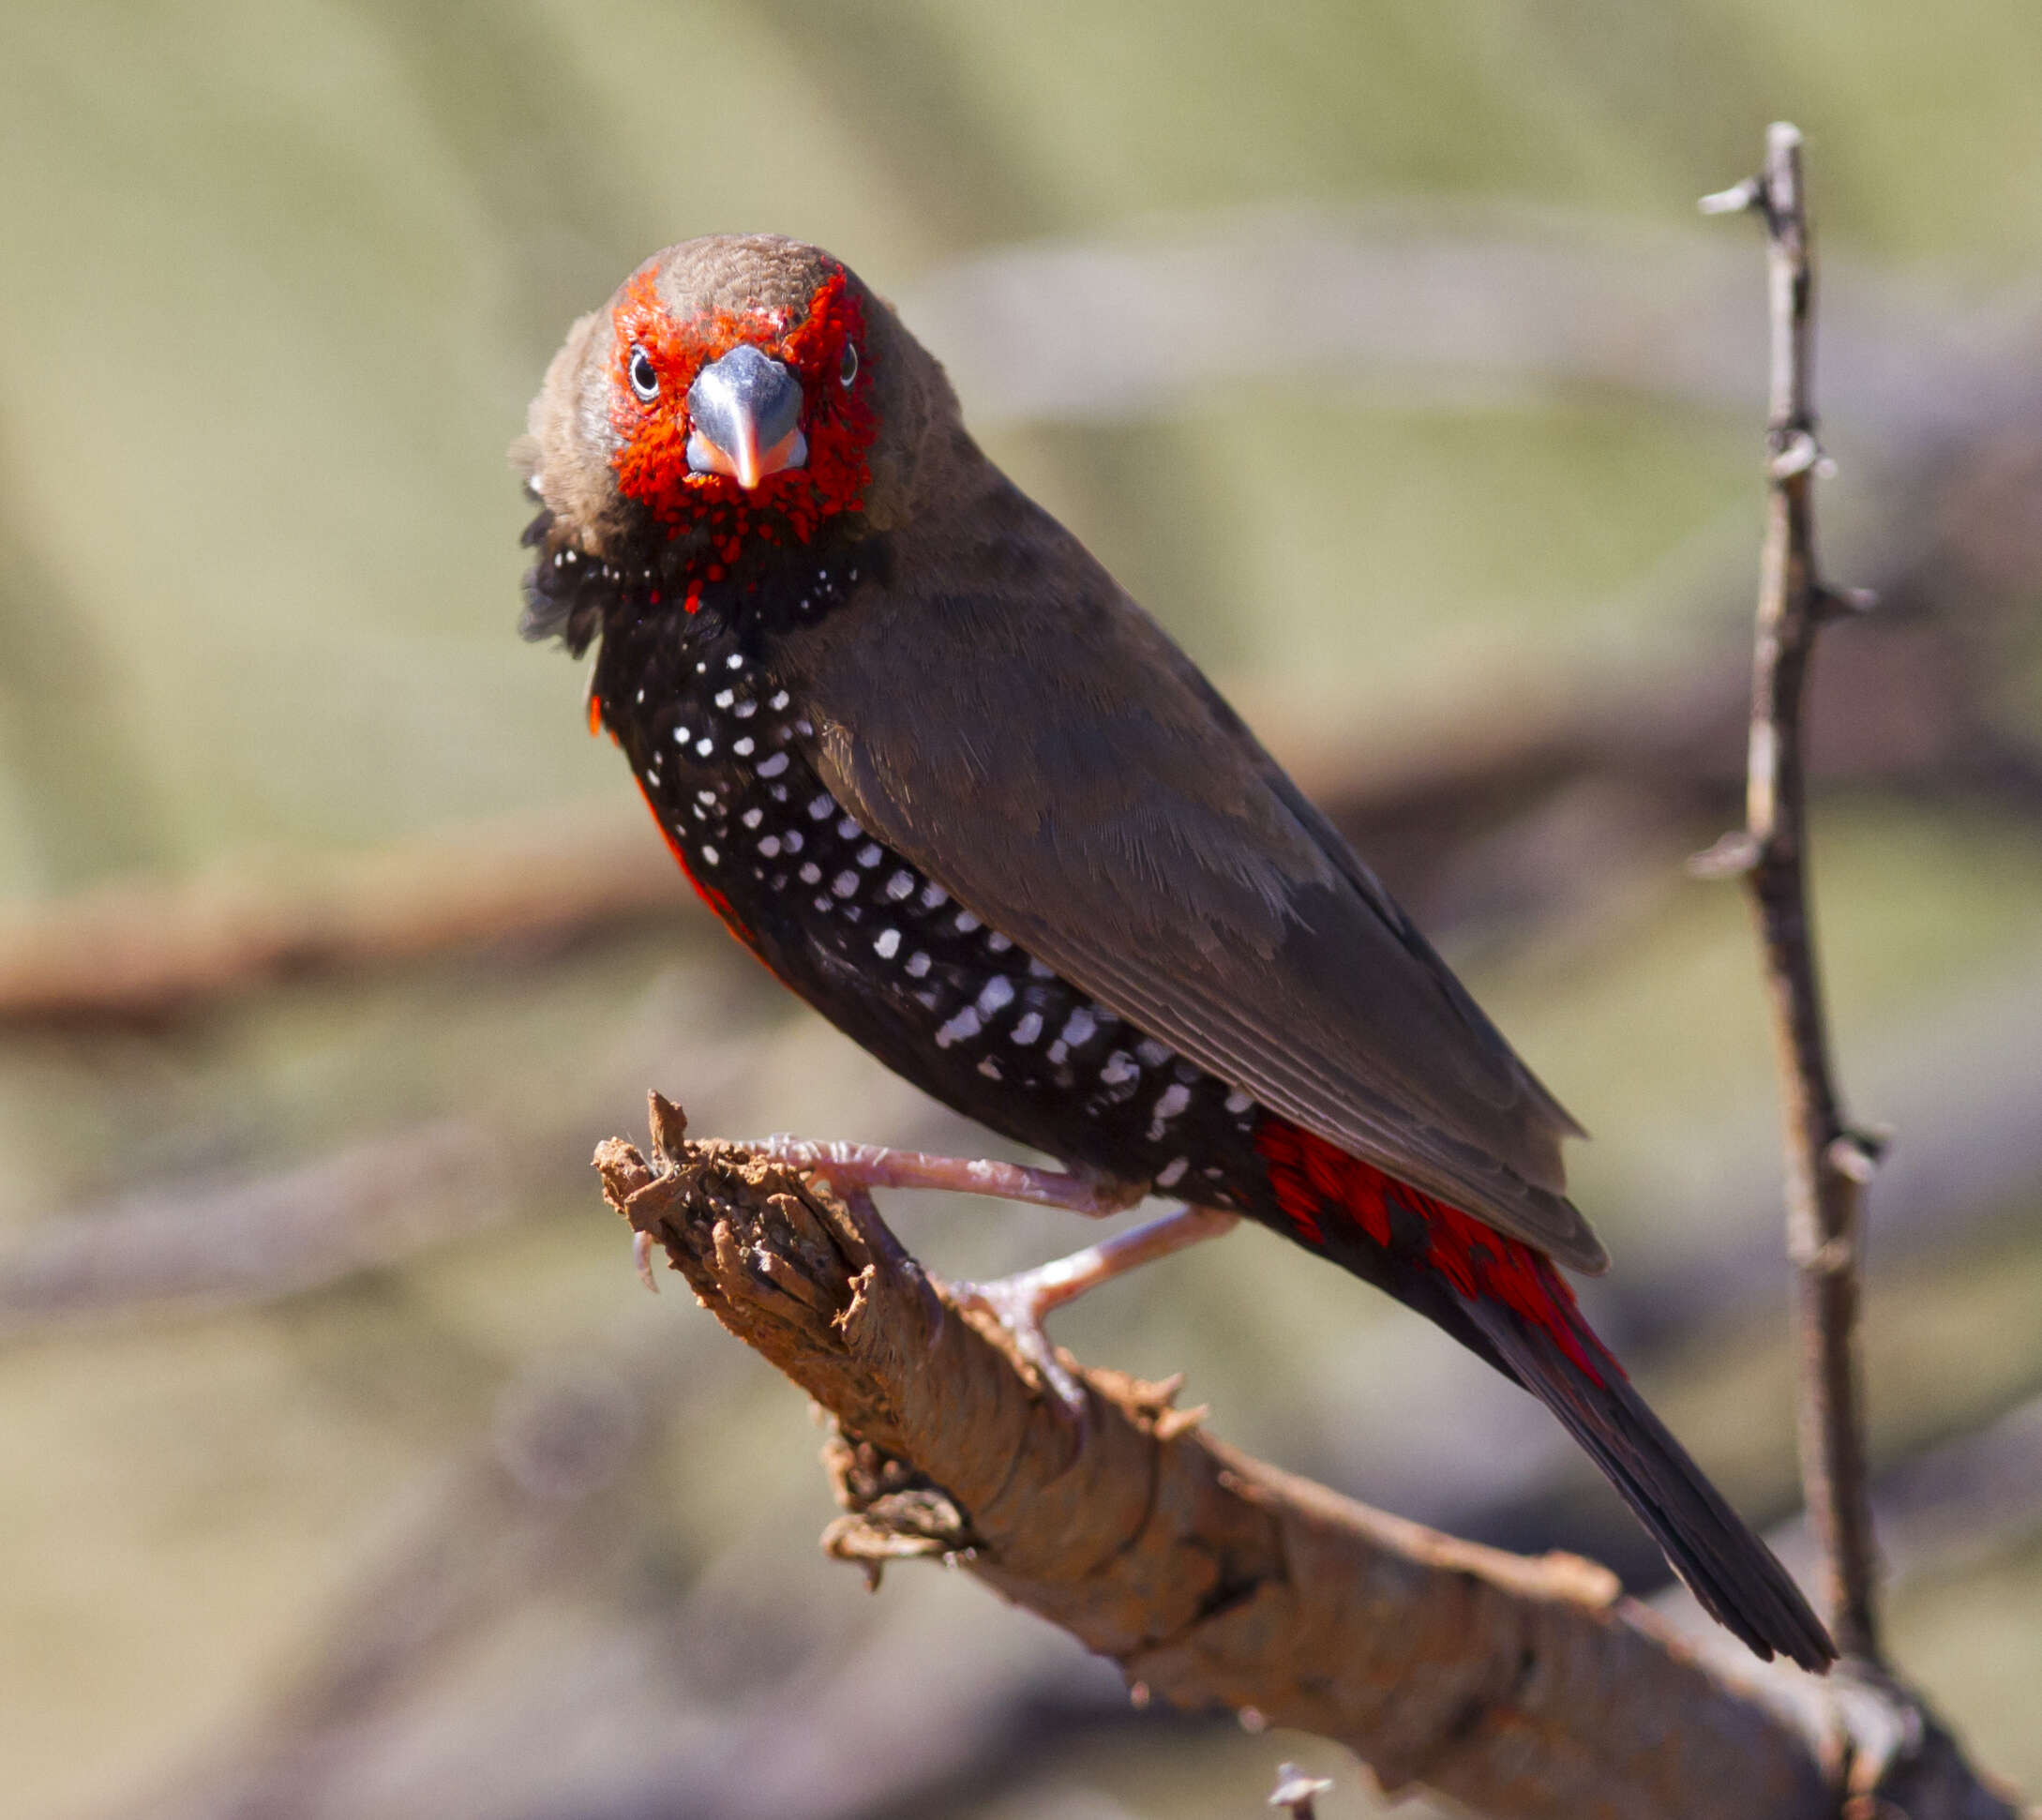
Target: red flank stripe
(708,893)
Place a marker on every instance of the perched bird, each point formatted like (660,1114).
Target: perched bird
(925,757)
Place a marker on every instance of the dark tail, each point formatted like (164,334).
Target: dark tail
(1508,1302)
(1737,1580)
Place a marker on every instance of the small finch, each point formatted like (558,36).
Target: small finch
(924,758)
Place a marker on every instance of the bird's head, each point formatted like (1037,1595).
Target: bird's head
(736,391)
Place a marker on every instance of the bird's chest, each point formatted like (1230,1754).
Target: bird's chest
(719,742)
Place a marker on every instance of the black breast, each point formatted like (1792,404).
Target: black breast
(719,743)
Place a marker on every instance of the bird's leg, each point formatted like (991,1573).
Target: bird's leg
(874,1166)
(853,1170)
(1021,1302)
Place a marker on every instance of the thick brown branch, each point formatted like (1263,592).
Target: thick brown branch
(1519,1687)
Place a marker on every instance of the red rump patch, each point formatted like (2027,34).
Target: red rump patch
(787,508)
(1314,1181)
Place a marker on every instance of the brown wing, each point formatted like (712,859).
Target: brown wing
(1029,738)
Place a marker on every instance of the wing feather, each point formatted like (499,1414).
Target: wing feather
(1030,739)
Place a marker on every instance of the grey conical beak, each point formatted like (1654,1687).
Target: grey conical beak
(745,410)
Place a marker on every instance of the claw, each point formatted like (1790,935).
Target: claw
(642,1256)
(1019,1305)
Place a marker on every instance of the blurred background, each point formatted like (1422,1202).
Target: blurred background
(349,1471)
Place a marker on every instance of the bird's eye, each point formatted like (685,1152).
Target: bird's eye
(849,370)
(644,381)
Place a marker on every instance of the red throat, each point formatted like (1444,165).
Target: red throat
(788,507)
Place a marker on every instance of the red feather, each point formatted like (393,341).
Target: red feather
(1316,1181)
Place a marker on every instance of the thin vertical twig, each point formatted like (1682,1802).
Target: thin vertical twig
(1828,1162)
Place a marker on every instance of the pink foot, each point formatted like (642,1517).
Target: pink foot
(874,1166)
(1021,1302)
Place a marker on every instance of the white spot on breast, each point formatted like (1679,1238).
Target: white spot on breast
(1119,1068)
(752,818)
(900,885)
(735,660)
(1038,972)
(966,1023)
(989,1068)
(1079,1028)
(705,796)
(773,766)
(1170,1103)
(849,829)
(1172,1172)
(918,964)
(934,896)
(1238,1102)
(1028,1028)
(888,945)
(869,855)
(1152,1052)
(770,846)
(711,854)
(793,839)
(810,874)
(997,994)
(966,921)
(704,748)
(746,709)
(997,943)
(742,748)
(822,807)
(725,698)
(778,701)
(845,883)
(680,735)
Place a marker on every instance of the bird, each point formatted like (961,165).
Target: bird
(922,755)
